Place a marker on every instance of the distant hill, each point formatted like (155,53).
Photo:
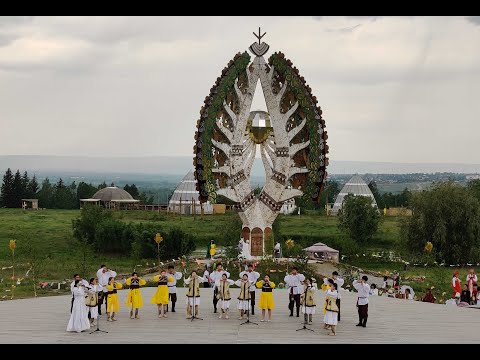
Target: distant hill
(179,166)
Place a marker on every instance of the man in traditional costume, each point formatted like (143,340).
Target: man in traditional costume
(253,277)
(214,276)
(77,278)
(134,297)
(103,274)
(193,293)
(295,283)
(172,285)
(362,301)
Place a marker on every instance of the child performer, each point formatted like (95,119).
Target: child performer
(193,293)
(161,295)
(112,298)
(308,300)
(245,295)
(331,316)
(266,297)
(134,297)
(92,304)
(223,286)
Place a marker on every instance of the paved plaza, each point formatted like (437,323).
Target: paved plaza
(44,320)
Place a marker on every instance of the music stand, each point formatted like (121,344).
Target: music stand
(248,312)
(193,307)
(305,312)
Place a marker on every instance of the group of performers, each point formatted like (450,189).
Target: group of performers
(87,297)
(469,295)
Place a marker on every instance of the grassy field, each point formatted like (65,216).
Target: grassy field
(50,232)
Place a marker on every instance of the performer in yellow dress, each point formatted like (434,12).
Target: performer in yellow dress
(161,295)
(112,299)
(266,297)
(134,297)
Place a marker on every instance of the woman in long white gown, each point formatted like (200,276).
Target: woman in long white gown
(79,318)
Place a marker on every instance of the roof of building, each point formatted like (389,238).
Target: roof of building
(113,193)
(186,191)
(356,186)
(320,247)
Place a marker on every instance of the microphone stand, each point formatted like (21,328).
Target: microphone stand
(98,324)
(305,312)
(193,310)
(248,312)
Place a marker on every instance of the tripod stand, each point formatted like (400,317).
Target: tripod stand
(193,307)
(305,312)
(98,328)
(248,312)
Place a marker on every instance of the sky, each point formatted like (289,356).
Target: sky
(394,89)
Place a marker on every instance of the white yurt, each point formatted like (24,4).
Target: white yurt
(185,198)
(355,186)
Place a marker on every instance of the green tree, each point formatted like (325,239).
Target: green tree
(85,226)
(85,191)
(17,189)
(7,197)
(46,194)
(474,187)
(359,218)
(229,235)
(447,215)
(32,187)
(132,190)
(372,185)
(25,182)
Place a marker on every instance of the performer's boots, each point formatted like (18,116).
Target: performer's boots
(136,314)
(298,311)
(113,317)
(196,310)
(226,313)
(253,309)
(159,311)
(334,332)
(131,314)
(310,318)
(305,317)
(164,311)
(360,321)
(189,311)
(241,315)
(290,306)
(173,307)
(364,322)
(221,314)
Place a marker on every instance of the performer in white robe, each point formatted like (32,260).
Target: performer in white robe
(79,318)
(214,276)
(309,304)
(295,283)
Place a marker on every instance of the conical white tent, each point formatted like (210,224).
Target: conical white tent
(355,186)
(185,198)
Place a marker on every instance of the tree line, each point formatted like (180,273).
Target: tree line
(57,195)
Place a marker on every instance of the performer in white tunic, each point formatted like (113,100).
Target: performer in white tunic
(223,286)
(91,301)
(103,274)
(362,302)
(339,281)
(79,318)
(331,316)
(309,304)
(244,297)
(193,293)
(172,285)
(472,280)
(253,277)
(214,276)
(294,281)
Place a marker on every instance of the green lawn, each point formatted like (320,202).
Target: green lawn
(50,231)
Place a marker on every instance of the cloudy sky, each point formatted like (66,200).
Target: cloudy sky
(395,89)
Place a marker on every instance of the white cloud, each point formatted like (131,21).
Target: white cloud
(392,88)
